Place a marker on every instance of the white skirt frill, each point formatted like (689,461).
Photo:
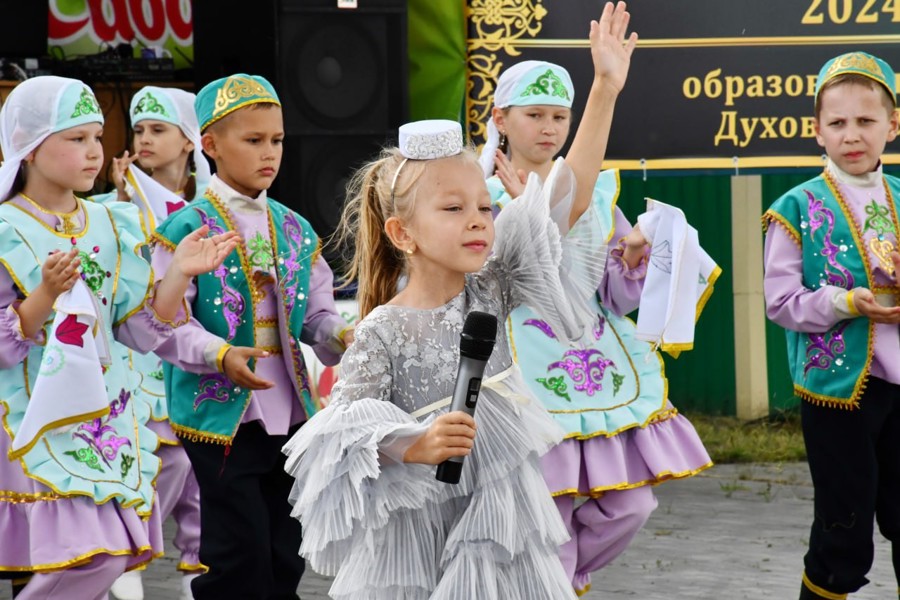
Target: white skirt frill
(393,532)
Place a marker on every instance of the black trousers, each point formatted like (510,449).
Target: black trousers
(854,459)
(248,538)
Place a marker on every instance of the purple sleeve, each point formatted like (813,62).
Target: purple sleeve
(620,290)
(190,346)
(788,302)
(322,324)
(13,346)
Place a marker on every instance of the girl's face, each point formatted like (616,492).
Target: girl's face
(537,133)
(854,125)
(159,144)
(67,160)
(452,228)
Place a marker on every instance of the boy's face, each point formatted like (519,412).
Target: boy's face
(247,148)
(854,125)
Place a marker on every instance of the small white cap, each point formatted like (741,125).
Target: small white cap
(435,138)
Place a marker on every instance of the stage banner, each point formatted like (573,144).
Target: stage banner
(156,28)
(713,84)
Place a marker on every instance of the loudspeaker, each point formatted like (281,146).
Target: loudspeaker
(341,75)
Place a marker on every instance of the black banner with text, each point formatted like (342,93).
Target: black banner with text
(713,84)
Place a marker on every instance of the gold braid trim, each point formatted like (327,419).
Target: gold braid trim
(193,435)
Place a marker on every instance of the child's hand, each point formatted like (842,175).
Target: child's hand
(864,301)
(234,366)
(119,166)
(348,336)
(60,272)
(197,253)
(609,51)
(513,181)
(450,435)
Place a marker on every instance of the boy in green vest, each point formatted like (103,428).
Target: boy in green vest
(237,384)
(831,281)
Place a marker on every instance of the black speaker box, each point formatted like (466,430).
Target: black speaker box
(341,75)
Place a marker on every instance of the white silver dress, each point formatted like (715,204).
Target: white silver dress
(388,530)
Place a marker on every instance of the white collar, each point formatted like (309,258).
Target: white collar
(871,179)
(237,201)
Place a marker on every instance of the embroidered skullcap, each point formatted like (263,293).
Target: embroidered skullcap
(859,63)
(527,83)
(427,140)
(435,138)
(175,106)
(35,109)
(224,96)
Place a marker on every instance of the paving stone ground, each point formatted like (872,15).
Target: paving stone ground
(734,531)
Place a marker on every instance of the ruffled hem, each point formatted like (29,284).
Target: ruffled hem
(666,449)
(56,533)
(38,469)
(395,532)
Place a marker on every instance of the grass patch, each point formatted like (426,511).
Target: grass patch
(777,438)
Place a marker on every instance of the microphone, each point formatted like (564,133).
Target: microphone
(476,342)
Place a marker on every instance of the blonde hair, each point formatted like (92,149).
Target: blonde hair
(376,264)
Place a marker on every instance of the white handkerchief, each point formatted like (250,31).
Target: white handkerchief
(69,388)
(680,275)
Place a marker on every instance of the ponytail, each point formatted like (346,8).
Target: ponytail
(376,264)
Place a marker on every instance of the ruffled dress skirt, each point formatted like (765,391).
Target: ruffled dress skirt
(43,531)
(392,532)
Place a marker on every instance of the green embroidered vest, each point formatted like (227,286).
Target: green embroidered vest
(210,407)
(829,368)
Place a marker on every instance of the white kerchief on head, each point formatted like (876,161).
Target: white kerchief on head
(527,83)
(158,104)
(76,351)
(35,109)
(680,275)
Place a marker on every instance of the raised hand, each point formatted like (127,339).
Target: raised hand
(197,253)
(119,166)
(609,50)
(452,434)
(513,180)
(235,367)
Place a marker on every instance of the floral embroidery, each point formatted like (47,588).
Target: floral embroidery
(71,332)
(548,84)
(157,374)
(557,385)
(588,373)
(86,105)
(91,272)
(100,436)
(149,104)
(86,456)
(52,362)
(232,302)
(823,349)
(435,145)
(260,252)
(212,387)
(878,219)
(127,461)
(617,382)
(818,216)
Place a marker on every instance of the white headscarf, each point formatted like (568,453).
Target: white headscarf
(35,109)
(526,83)
(174,106)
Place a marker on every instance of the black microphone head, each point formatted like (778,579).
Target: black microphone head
(478,335)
